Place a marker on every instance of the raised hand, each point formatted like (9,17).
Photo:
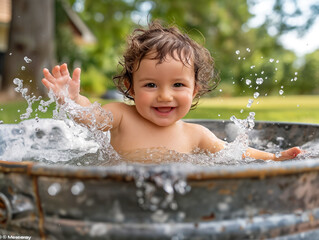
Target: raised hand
(61,83)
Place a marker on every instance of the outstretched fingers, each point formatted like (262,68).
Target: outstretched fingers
(48,76)
(47,84)
(64,70)
(56,72)
(76,75)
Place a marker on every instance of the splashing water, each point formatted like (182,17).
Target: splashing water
(67,113)
(259,81)
(27,60)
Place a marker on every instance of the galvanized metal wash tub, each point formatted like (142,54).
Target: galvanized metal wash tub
(253,201)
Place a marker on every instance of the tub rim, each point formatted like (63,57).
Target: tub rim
(126,172)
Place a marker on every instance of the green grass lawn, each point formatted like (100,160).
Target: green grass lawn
(275,108)
(281,108)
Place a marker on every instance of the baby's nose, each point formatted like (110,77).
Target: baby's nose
(164,96)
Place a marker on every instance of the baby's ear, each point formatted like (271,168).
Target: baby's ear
(196,89)
(129,87)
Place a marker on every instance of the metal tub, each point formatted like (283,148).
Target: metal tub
(253,201)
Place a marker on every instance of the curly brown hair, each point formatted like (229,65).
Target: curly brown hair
(166,40)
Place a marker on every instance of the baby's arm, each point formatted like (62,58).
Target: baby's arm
(284,155)
(213,144)
(63,86)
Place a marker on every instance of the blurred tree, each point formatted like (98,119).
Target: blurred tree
(31,36)
(240,52)
(310,74)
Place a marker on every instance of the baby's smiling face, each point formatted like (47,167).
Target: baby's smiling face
(163,92)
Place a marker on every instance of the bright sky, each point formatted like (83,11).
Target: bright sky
(307,43)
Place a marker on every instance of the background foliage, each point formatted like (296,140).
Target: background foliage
(220,25)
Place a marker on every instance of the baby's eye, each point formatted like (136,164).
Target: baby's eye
(178,84)
(150,85)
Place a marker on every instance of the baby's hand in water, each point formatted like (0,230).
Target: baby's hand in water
(61,83)
(289,154)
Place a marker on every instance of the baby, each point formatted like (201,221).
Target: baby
(164,73)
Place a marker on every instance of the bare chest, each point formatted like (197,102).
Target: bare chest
(143,137)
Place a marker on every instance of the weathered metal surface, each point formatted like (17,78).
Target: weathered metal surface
(275,201)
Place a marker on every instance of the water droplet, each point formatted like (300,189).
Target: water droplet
(27,60)
(239,58)
(54,189)
(248,49)
(277,61)
(271,60)
(223,207)
(276,69)
(259,81)
(248,81)
(281,92)
(237,52)
(253,66)
(77,188)
(296,73)
(220,90)
(262,72)
(241,110)
(256,94)
(1,122)
(23,68)
(10,54)
(250,102)
(233,118)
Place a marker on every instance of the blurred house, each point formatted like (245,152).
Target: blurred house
(82,34)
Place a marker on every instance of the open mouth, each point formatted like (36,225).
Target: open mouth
(164,109)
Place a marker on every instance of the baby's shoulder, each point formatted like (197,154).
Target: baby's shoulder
(196,130)
(204,137)
(118,110)
(195,127)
